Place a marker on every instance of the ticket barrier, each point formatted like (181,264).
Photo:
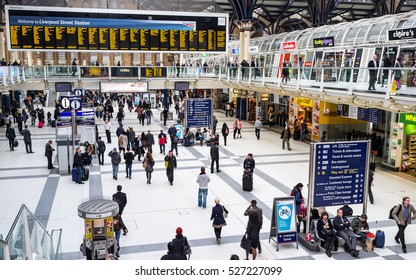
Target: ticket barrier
(99,238)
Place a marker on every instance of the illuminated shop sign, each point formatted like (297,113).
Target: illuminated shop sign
(323,42)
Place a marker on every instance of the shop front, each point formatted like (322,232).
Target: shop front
(405,133)
(304,110)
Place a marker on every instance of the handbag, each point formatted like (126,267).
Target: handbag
(368,246)
(224,214)
(245,243)
(328,232)
(144,164)
(15,143)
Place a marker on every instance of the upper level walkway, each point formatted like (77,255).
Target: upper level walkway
(346,85)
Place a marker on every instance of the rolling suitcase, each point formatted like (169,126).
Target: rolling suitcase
(40,125)
(380,238)
(53,123)
(85,173)
(247,181)
(74,174)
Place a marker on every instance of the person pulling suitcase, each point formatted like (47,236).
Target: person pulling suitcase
(248,165)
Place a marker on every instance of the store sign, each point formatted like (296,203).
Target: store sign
(323,42)
(307,64)
(123,87)
(402,34)
(409,121)
(253,49)
(235,51)
(304,102)
(290,45)
(340,172)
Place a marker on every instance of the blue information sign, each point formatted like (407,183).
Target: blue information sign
(340,173)
(199,112)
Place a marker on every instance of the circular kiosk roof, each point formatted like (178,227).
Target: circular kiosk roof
(98,209)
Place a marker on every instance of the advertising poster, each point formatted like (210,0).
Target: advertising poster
(179,130)
(285,216)
(315,121)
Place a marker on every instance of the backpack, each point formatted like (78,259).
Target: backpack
(392,209)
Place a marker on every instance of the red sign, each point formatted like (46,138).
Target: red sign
(307,64)
(291,45)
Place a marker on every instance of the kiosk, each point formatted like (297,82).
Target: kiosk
(99,239)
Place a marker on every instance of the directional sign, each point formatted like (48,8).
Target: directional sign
(339,173)
(65,102)
(79,92)
(199,112)
(76,104)
(71,102)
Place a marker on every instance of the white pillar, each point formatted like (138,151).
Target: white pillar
(2,45)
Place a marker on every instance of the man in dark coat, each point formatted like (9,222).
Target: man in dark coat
(101,150)
(11,135)
(27,138)
(172,255)
(150,140)
(78,165)
(121,198)
(170,165)
(373,66)
(165,115)
(215,157)
(48,153)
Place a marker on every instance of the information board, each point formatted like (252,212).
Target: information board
(153,72)
(373,115)
(45,28)
(199,112)
(339,170)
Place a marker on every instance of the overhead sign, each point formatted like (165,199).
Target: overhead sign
(323,42)
(79,92)
(339,172)
(302,101)
(373,115)
(199,112)
(401,34)
(289,45)
(34,28)
(235,51)
(127,87)
(71,102)
(153,72)
(253,49)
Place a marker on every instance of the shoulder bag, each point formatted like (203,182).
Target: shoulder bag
(224,214)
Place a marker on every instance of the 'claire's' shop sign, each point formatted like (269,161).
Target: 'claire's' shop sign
(323,42)
(402,34)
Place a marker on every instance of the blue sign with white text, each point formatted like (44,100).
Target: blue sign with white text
(199,112)
(340,172)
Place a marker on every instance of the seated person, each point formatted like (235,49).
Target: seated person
(360,226)
(206,135)
(346,210)
(327,233)
(89,150)
(342,227)
(199,136)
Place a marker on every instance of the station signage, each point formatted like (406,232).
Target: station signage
(323,42)
(373,115)
(153,72)
(339,173)
(409,121)
(253,49)
(290,45)
(199,112)
(401,34)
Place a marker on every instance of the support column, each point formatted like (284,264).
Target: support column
(2,44)
(247,33)
(241,55)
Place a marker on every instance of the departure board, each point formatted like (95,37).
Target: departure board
(153,72)
(45,28)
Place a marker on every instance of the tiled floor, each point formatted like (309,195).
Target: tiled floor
(154,211)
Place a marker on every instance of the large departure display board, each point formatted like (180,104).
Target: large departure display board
(45,28)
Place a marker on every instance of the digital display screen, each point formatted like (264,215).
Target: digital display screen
(45,28)
(181,85)
(63,87)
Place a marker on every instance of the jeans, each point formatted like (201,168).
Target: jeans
(79,174)
(128,170)
(202,197)
(100,158)
(162,148)
(174,147)
(257,130)
(115,170)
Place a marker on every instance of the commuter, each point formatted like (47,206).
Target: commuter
(128,157)
(170,165)
(215,157)
(327,233)
(373,66)
(107,128)
(89,151)
(299,202)
(225,131)
(27,138)
(254,224)
(202,180)
(214,124)
(19,120)
(227,109)
(171,254)
(386,65)
(239,127)
(257,127)
(182,246)
(397,72)
(122,142)
(360,227)
(347,210)
(150,141)
(121,199)
(174,143)
(48,153)
(148,163)
(115,161)
(342,227)
(11,135)
(100,151)
(403,214)
(286,71)
(249,163)
(165,113)
(78,164)
(162,141)
(285,136)
(120,130)
(131,136)
(117,231)
(370,184)
(74,67)
(303,130)
(235,128)
(218,215)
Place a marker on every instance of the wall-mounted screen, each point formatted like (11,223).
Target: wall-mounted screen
(63,87)
(126,87)
(181,85)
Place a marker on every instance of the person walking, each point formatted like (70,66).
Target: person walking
(107,128)
(27,138)
(214,124)
(150,140)
(121,199)
(11,135)
(235,128)
(162,141)
(397,72)
(181,243)
(254,224)
(249,163)
(128,157)
(215,157)
(403,214)
(203,180)
(174,144)
(48,153)
(122,142)
(239,127)
(225,131)
(257,127)
(217,218)
(77,163)
(115,161)
(373,66)
(170,165)
(74,67)
(117,231)
(148,163)
(171,254)
(285,136)
(101,149)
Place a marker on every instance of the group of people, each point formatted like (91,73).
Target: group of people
(395,69)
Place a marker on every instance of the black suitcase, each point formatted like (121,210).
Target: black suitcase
(53,123)
(85,173)
(248,182)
